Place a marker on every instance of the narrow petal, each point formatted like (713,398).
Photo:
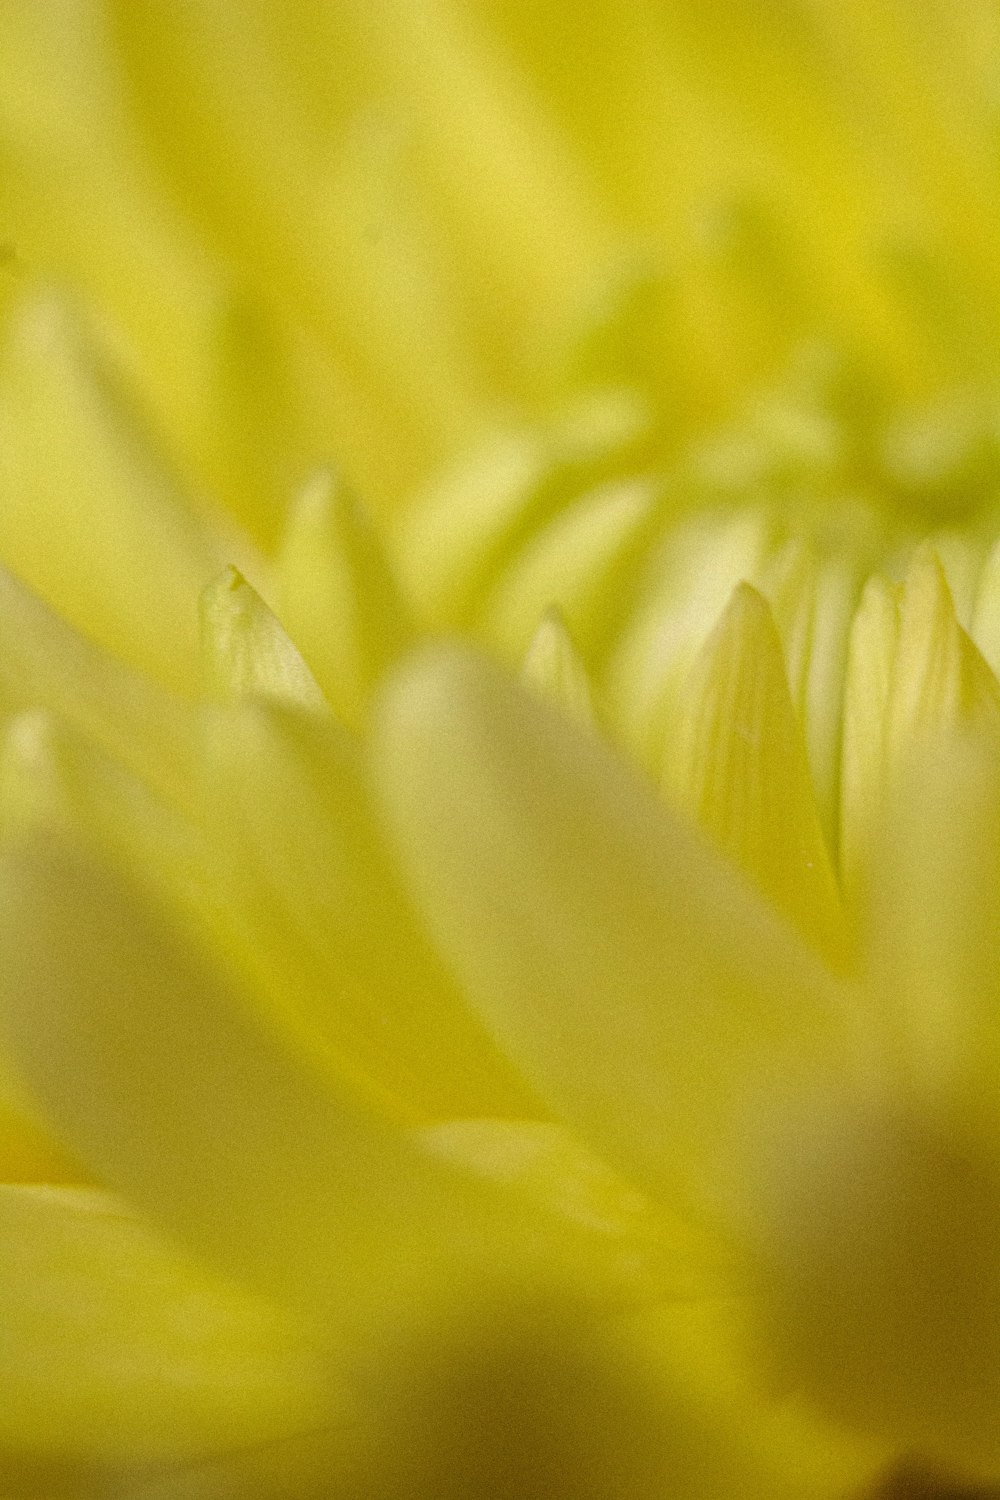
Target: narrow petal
(225,1126)
(934,934)
(173,1088)
(639,983)
(339,598)
(737,761)
(116,1346)
(324,921)
(868,683)
(46,663)
(92,517)
(690,578)
(247,651)
(554,668)
(940,680)
(581,563)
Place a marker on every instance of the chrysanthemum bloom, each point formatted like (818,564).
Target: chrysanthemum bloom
(515,1013)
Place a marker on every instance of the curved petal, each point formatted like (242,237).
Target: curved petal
(642,987)
(116,1346)
(175,1088)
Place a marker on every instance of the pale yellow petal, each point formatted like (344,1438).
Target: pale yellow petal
(117,1347)
(339,599)
(92,517)
(940,681)
(45,662)
(648,986)
(553,666)
(172,1086)
(934,934)
(321,917)
(232,1132)
(736,761)
(246,650)
(867,687)
(454,542)
(581,563)
(689,579)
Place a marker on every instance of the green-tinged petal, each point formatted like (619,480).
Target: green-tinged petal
(92,517)
(867,686)
(323,922)
(878,1288)
(553,1167)
(222,1124)
(454,542)
(736,760)
(175,1089)
(689,580)
(531,1401)
(339,598)
(118,1347)
(246,650)
(648,992)
(934,935)
(581,562)
(940,681)
(28,1150)
(554,668)
(985,628)
(45,662)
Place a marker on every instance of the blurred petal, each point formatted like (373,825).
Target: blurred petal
(580,562)
(92,517)
(553,667)
(227,1128)
(117,1347)
(648,989)
(322,921)
(340,600)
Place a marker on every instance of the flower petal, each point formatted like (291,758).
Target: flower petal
(553,667)
(737,761)
(322,916)
(246,649)
(117,1346)
(636,980)
(173,1088)
(340,600)
(92,517)
(229,1130)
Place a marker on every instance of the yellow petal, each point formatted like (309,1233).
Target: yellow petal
(647,984)
(246,649)
(323,921)
(940,681)
(581,562)
(934,935)
(339,599)
(45,662)
(554,668)
(92,517)
(227,1129)
(116,1346)
(867,687)
(172,1086)
(455,540)
(737,762)
(689,580)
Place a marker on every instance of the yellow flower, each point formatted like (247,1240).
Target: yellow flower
(515,1013)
